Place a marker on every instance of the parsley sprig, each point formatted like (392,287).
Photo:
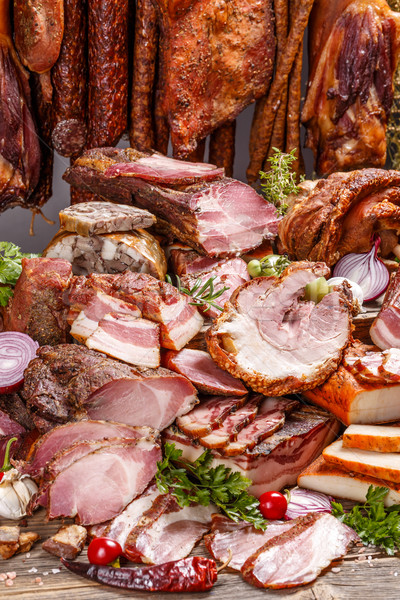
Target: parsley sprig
(199,482)
(375,524)
(280,181)
(10,269)
(202,294)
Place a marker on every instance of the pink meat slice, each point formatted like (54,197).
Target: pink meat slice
(8,426)
(186,261)
(65,436)
(208,415)
(385,330)
(239,538)
(297,556)
(135,341)
(201,370)
(165,170)
(232,424)
(155,399)
(100,485)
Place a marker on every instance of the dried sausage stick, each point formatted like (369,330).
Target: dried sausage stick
(108,71)
(69,83)
(160,119)
(222,147)
(284,66)
(141,134)
(38,32)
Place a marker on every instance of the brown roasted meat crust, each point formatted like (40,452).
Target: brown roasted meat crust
(341,213)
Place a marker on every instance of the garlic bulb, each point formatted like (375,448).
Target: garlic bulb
(15,492)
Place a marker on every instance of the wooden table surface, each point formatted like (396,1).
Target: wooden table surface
(364,574)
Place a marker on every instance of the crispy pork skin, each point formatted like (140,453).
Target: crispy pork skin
(98,486)
(280,343)
(116,252)
(202,371)
(37,306)
(385,330)
(297,556)
(221,218)
(340,483)
(353,55)
(158,301)
(72,382)
(278,460)
(241,539)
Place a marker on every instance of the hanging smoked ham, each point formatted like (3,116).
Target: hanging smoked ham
(353,52)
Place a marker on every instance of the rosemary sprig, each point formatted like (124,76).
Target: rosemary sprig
(202,294)
(280,180)
(199,482)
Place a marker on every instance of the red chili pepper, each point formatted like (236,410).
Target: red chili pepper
(193,574)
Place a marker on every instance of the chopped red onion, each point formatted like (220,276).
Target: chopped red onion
(16,352)
(366,269)
(302,502)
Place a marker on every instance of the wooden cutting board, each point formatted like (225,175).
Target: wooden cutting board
(364,573)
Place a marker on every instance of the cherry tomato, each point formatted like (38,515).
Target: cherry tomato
(102,551)
(273,505)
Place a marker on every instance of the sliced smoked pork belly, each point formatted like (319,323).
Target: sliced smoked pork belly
(37,306)
(385,330)
(69,381)
(137,251)
(158,301)
(208,415)
(42,452)
(92,218)
(297,556)
(280,343)
(100,304)
(128,338)
(228,273)
(222,218)
(99,486)
(240,539)
(278,460)
(167,531)
(201,370)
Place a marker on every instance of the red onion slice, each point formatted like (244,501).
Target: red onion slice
(16,352)
(302,502)
(366,269)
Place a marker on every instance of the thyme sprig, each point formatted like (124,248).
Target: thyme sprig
(199,482)
(202,294)
(280,181)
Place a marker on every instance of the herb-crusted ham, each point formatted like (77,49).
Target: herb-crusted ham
(276,341)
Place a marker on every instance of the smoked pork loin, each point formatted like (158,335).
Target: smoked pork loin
(276,341)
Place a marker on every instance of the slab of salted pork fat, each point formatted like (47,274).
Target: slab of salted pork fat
(297,556)
(337,482)
(378,438)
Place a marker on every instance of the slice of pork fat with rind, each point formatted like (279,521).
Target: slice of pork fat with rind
(274,339)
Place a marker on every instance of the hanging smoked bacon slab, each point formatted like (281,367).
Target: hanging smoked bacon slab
(353,54)
(19,149)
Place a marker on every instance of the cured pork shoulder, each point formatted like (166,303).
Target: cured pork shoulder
(112,475)
(158,301)
(340,214)
(231,49)
(186,261)
(277,460)
(201,370)
(353,49)
(37,306)
(277,342)
(219,218)
(71,382)
(116,252)
(297,556)
(385,330)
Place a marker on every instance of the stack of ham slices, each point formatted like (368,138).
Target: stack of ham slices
(366,455)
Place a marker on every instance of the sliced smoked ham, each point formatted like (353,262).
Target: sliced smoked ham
(208,415)
(99,486)
(385,330)
(276,341)
(298,556)
(201,370)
